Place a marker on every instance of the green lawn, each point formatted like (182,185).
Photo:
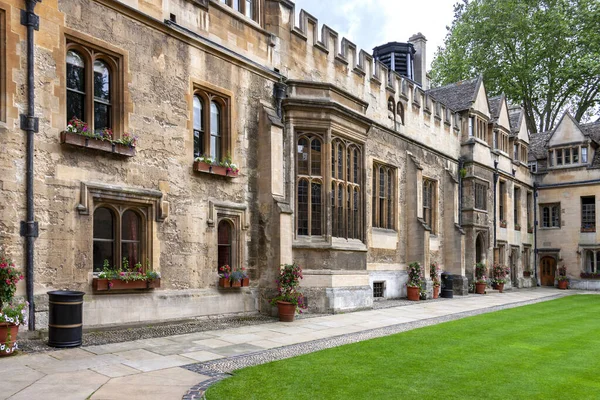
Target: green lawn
(548,350)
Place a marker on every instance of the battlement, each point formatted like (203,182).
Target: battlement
(310,52)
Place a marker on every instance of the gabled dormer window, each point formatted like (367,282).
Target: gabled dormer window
(568,156)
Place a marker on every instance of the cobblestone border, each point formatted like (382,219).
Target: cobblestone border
(222,368)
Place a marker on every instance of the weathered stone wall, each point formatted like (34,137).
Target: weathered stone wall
(160,72)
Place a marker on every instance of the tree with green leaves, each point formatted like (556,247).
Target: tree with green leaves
(543,54)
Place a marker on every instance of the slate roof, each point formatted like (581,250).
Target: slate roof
(495,103)
(538,142)
(592,130)
(457,96)
(514,114)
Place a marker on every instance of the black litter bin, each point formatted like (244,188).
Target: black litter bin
(447,289)
(65,318)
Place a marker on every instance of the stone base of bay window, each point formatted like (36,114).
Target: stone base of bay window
(331,291)
(584,284)
(112,310)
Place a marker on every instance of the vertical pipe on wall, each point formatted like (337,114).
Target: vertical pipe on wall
(495,199)
(30,124)
(535,225)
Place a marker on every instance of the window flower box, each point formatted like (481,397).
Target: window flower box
(502,224)
(590,275)
(201,166)
(78,140)
(517,227)
(104,284)
(526,274)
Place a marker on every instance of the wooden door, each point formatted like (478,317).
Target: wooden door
(547,271)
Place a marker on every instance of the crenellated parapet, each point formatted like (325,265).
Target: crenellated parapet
(311,52)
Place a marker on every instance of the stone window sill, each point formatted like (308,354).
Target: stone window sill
(76,140)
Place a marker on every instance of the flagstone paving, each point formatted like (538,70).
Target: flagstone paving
(166,368)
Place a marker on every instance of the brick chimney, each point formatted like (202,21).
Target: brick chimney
(420,44)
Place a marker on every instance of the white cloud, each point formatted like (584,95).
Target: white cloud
(370,23)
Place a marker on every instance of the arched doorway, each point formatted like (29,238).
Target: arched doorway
(480,248)
(547,271)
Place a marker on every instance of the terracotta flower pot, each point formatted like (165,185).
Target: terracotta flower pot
(236,283)
(480,288)
(500,287)
(563,284)
(224,282)
(8,338)
(412,293)
(246,282)
(287,311)
(436,292)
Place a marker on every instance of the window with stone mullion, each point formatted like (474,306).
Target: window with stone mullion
(345,190)
(428,204)
(309,216)
(588,213)
(383,195)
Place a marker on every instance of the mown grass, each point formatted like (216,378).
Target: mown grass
(548,350)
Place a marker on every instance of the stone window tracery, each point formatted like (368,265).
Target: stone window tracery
(480,196)
(226,244)
(550,215)
(309,166)
(119,232)
(383,196)
(343,189)
(346,207)
(93,87)
(429,204)
(211,125)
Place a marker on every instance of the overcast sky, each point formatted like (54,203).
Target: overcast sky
(370,23)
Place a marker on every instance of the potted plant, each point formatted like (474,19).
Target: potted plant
(526,272)
(245,280)
(563,281)
(415,279)
(529,228)
(236,278)
(503,223)
(125,277)
(11,315)
(517,227)
(225,276)
(289,299)
(499,274)
(435,274)
(480,278)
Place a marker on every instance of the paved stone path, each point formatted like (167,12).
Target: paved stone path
(152,368)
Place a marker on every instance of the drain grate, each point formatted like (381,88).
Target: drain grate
(378,288)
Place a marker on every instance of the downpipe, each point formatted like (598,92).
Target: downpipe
(30,124)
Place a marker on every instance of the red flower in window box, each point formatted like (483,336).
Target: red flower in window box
(78,134)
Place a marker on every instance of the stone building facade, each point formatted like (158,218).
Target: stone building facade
(346,168)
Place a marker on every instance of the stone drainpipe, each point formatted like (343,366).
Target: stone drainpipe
(30,124)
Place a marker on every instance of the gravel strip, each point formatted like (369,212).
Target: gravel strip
(222,368)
